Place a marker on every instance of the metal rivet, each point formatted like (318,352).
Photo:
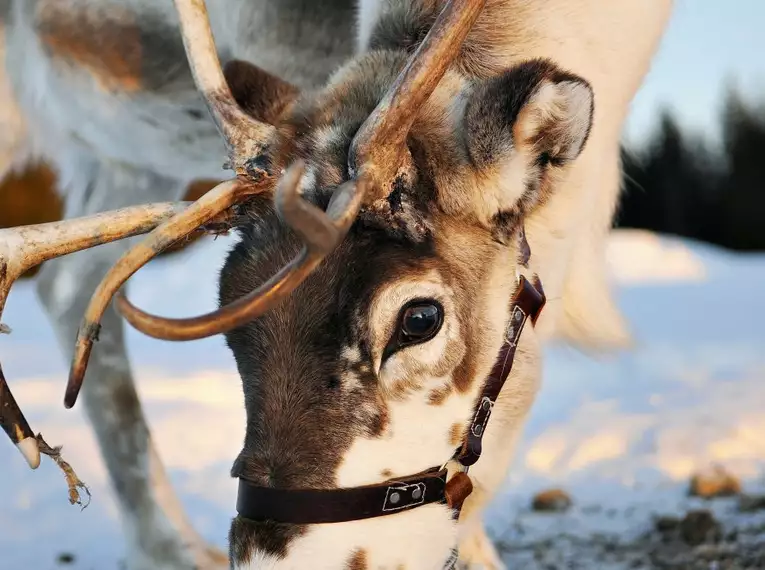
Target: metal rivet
(417,493)
(395,498)
(518,315)
(478,430)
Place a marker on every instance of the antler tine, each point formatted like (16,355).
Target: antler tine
(24,247)
(246,137)
(308,222)
(204,210)
(16,426)
(380,142)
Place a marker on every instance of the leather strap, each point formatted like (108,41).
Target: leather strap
(314,506)
(527,302)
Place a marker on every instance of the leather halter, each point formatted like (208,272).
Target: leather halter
(315,506)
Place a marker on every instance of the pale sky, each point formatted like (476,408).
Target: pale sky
(708,43)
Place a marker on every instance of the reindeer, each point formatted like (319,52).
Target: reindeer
(407,175)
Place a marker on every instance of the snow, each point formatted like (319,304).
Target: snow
(621,433)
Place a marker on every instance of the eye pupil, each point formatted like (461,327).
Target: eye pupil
(420,321)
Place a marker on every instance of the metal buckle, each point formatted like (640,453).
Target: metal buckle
(400,496)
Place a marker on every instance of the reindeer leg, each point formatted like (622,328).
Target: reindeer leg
(476,550)
(158,533)
(478,553)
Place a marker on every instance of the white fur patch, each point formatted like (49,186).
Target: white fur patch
(349,379)
(417,438)
(66,286)
(512,177)
(419,539)
(538,110)
(326,136)
(368,12)
(351,353)
(578,102)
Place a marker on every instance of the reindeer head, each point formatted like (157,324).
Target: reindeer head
(370,370)
(368,367)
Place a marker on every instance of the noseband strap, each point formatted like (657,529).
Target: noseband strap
(316,506)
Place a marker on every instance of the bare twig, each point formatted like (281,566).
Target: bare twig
(72,480)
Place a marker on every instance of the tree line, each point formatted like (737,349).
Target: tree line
(679,183)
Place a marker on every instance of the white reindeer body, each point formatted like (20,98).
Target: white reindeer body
(522,132)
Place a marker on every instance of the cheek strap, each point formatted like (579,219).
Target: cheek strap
(527,303)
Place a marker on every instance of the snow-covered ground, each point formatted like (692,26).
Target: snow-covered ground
(624,434)
(621,434)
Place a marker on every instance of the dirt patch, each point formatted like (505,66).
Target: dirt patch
(695,540)
(751,503)
(552,500)
(714,482)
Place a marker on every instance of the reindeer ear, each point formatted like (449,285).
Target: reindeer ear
(259,93)
(516,127)
(535,109)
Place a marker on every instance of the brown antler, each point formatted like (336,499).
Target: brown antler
(245,137)
(209,206)
(319,238)
(378,148)
(16,426)
(25,247)
(379,144)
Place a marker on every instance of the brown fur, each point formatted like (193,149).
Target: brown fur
(111,50)
(120,52)
(439,395)
(259,93)
(358,561)
(484,53)
(456,434)
(402,389)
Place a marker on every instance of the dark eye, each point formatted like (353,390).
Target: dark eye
(420,322)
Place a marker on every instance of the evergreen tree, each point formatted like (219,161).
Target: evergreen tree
(677,185)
